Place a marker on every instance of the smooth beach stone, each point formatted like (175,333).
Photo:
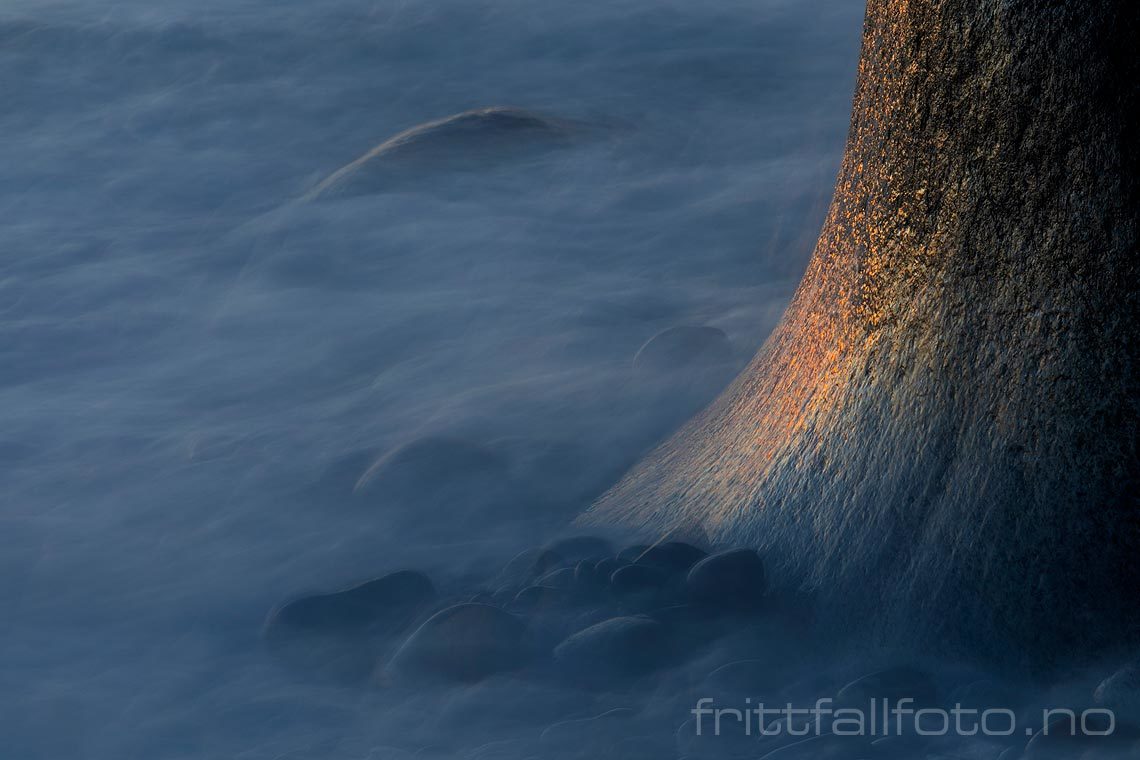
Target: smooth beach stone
(593,732)
(605,568)
(587,581)
(463,484)
(538,598)
(638,579)
(729,581)
(753,678)
(546,561)
(508,701)
(827,747)
(385,605)
(733,739)
(671,556)
(1091,732)
(341,635)
(431,462)
(629,554)
(618,647)
(684,347)
(466,642)
(520,564)
(893,684)
(1120,693)
(563,577)
(467,140)
(986,694)
(577,548)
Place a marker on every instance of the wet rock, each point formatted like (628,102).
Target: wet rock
(671,556)
(562,578)
(521,566)
(386,605)
(638,579)
(594,734)
(734,681)
(985,694)
(827,747)
(684,347)
(510,702)
(893,684)
(440,475)
(538,598)
(586,578)
(466,642)
(467,140)
(578,548)
(1120,693)
(1083,733)
(615,648)
(732,739)
(341,635)
(546,561)
(605,568)
(629,554)
(732,581)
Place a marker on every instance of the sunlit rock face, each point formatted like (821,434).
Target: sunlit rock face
(943,428)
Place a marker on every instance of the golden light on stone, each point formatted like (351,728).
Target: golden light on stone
(946,415)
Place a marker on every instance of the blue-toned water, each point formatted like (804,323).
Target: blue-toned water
(197,362)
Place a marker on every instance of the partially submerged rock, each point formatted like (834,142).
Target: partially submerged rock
(466,140)
(684,347)
(463,643)
(616,648)
(732,581)
(343,633)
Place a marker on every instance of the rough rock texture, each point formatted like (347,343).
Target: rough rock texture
(944,425)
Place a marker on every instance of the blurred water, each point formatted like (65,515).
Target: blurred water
(187,352)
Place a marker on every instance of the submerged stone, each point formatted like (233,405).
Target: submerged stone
(463,643)
(615,648)
(731,581)
(671,556)
(893,684)
(684,347)
(385,605)
(468,140)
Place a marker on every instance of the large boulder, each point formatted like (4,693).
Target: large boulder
(943,426)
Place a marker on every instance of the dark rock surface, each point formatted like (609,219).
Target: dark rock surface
(616,648)
(944,425)
(893,684)
(684,347)
(671,556)
(577,548)
(440,475)
(467,140)
(343,634)
(1120,693)
(385,605)
(730,581)
(463,643)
